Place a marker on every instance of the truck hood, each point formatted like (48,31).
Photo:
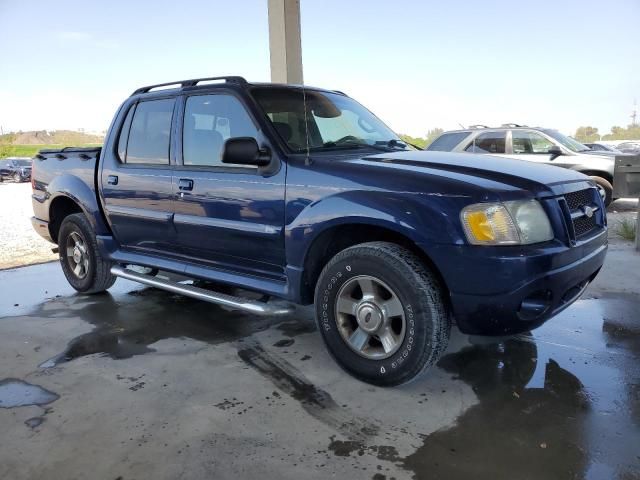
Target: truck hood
(482,169)
(603,153)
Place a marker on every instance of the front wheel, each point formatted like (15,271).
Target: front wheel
(381,313)
(80,258)
(605,189)
(17,177)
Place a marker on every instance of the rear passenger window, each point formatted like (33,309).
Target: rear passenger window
(447,141)
(490,142)
(209,120)
(150,133)
(124,134)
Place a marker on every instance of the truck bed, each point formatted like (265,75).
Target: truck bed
(71,169)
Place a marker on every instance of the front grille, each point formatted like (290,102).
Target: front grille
(583,225)
(579,199)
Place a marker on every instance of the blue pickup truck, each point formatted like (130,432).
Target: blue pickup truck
(300,195)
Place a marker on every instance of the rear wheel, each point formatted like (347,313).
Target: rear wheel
(80,258)
(605,189)
(381,313)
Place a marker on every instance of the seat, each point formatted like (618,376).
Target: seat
(203,147)
(284,130)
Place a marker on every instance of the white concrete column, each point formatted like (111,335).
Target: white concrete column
(284,41)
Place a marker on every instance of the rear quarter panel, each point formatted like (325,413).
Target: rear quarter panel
(72,177)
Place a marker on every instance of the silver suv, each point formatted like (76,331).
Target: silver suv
(534,144)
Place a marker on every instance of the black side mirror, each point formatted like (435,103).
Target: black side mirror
(555,152)
(245,151)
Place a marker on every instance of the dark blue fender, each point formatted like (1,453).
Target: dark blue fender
(77,189)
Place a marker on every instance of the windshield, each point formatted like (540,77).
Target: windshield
(568,142)
(20,163)
(333,121)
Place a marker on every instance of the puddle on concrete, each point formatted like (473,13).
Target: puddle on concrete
(126,325)
(559,403)
(18,393)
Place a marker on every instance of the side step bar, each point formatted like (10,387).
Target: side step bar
(238,303)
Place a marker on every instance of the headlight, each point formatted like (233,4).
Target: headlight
(519,222)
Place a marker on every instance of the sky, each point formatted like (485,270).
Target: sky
(418,65)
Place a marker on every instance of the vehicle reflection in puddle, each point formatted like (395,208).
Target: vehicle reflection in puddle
(561,402)
(125,326)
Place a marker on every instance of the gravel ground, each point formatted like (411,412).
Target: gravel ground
(21,245)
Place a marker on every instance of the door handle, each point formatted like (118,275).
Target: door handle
(112,180)
(185,184)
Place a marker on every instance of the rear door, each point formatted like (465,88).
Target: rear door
(136,180)
(227,216)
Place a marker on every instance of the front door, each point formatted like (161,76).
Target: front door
(227,216)
(534,147)
(136,181)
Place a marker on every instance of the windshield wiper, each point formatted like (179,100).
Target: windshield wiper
(350,146)
(393,143)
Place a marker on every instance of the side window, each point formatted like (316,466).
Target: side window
(124,134)
(209,120)
(490,142)
(530,142)
(447,141)
(150,133)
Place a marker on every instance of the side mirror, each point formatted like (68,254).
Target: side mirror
(245,151)
(555,152)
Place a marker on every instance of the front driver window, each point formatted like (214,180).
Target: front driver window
(530,142)
(209,120)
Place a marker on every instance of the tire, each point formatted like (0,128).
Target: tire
(17,177)
(85,270)
(605,187)
(399,278)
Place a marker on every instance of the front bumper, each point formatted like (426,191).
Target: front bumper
(506,292)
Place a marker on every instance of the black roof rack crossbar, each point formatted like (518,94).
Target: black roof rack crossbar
(477,126)
(191,83)
(512,125)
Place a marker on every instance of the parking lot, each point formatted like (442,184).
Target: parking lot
(139,383)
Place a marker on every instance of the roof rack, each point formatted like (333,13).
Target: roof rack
(190,83)
(512,125)
(478,126)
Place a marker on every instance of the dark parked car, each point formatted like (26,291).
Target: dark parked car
(17,169)
(629,147)
(303,195)
(542,145)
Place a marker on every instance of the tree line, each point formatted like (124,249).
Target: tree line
(591,134)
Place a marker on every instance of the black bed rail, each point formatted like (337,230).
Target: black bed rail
(191,83)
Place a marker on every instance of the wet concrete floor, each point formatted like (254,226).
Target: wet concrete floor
(139,383)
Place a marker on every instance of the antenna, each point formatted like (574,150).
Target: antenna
(307,160)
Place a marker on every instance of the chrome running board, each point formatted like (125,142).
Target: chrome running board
(237,303)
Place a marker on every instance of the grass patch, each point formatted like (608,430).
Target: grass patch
(31,150)
(627,229)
